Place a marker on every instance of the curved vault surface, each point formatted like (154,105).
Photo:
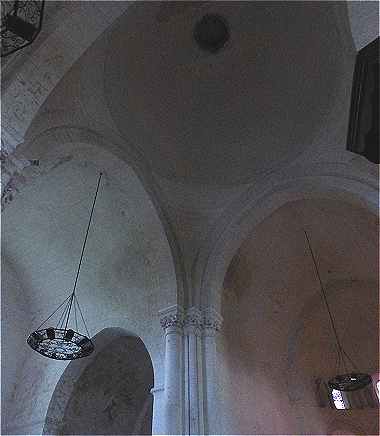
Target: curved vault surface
(228,117)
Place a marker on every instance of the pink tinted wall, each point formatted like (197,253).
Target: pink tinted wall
(277,338)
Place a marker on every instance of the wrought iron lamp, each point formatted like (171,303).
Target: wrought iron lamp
(61,342)
(21,22)
(346,380)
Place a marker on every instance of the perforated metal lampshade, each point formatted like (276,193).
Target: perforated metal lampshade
(60,342)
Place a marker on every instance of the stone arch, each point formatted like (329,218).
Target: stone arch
(62,416)
(339,182)
(62,144)
(275,326)
(126,280)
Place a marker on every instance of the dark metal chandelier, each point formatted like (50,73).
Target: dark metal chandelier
(345,380)
(61,342)
(21,22)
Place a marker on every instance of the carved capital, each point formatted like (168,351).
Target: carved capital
(171,317)
(193,319)
(212,320)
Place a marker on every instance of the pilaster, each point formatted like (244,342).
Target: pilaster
(189,393)
(212,324)
(171,320)
(193,358)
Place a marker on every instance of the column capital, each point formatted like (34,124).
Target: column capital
(193,321)
(212,320)
(172,316)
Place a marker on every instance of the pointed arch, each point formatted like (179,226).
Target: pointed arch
(339,182)
(129,273)
(92,391)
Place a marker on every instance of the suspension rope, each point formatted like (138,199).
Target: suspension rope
(88,228)
(56,310)
(81,314)
(62,317)
(75,316)
(68,313)
(72,296)
(341,351)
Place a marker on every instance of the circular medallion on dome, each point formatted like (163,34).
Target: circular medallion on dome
(211,33)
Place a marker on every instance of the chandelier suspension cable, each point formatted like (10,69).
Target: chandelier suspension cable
(341,352)
(62,342)
(56,310)
(82,253)
(82,317)
(349,380)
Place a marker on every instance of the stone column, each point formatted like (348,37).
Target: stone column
(212,323)
(158,402)
(193,329)
(172,323)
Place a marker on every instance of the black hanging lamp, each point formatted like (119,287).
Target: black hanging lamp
(21,22)
(345,380)
(61,342)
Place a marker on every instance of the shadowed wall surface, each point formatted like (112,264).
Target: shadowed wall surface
(278,340)
(111,396)
(119,285)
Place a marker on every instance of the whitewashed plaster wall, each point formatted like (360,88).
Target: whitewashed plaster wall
(127,276)
(276,339)
(15,321)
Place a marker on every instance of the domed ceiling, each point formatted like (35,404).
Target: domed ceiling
(230,115)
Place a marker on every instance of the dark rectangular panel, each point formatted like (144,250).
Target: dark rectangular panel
(363,130)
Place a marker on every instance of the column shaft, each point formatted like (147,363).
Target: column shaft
(212,324)
(172,322)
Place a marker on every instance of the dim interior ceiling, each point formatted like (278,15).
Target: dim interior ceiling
(224,118)
(230,116)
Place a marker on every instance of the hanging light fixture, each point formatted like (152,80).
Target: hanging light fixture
(61,342)
(345,380)
(21,22)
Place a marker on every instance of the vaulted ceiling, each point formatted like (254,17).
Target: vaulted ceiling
(204,128)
